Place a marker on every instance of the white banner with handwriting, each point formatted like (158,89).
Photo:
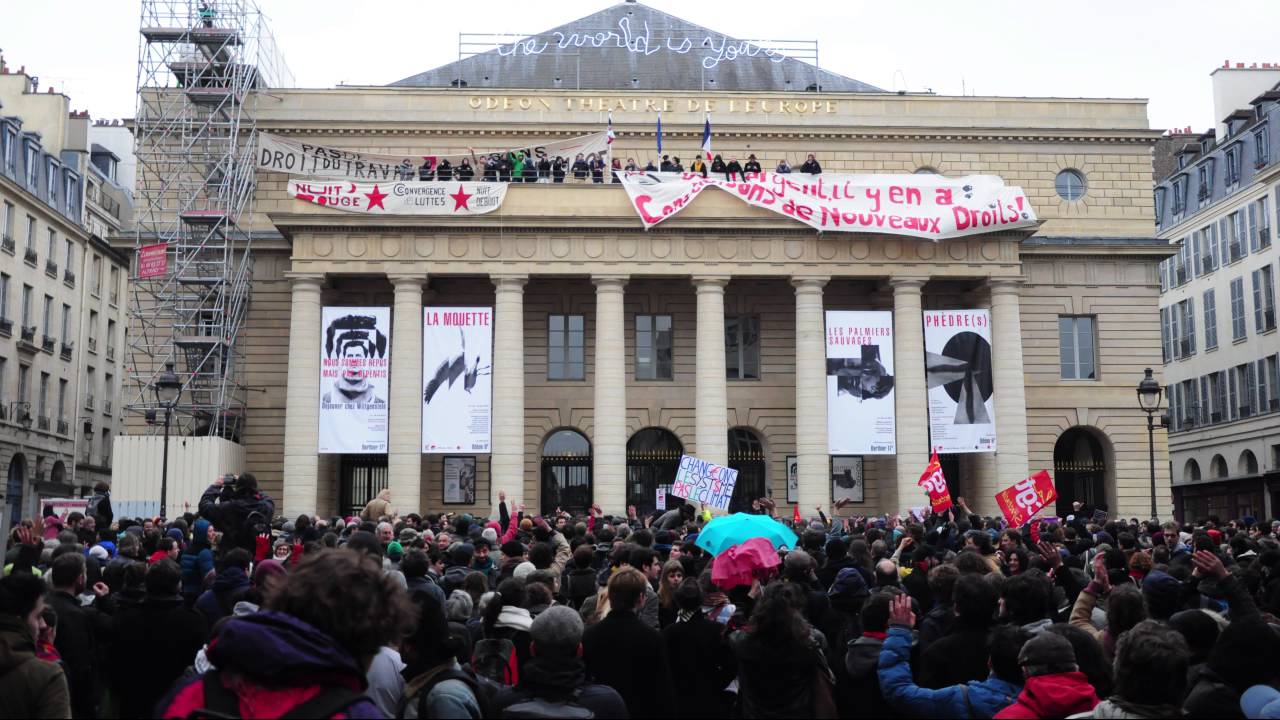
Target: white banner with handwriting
(925,206)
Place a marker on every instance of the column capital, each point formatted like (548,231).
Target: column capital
(610,280)
(1005,285)
(907,283)
(813,283)
(303,279)
(407,280)
(508,281)
(709,282)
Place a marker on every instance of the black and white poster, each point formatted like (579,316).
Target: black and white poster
(460,480)
(957,347)
(846,479)
(793,479)
(355,345)
(457,389)
(860,410)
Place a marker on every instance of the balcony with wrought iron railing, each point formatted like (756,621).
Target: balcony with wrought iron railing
(29,334)
(108,408)
(6,327)
(7,244)
(64,428)
(47,344)
(51,268)
(66,350)
(42,423)
(88,402)
(29,256)
(69,277)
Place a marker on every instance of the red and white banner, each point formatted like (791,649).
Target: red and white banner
(935,484)
(286,155)
(925,206)
(402,198)
(1024,499)
(152,261)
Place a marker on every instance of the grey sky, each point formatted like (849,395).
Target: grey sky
(1083,48)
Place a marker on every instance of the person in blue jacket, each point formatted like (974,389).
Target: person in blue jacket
(981,699)
(197,562)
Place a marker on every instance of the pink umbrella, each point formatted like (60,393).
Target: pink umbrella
(739,564)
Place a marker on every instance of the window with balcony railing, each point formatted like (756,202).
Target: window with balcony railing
(47,343)
(69,277)
(108,408)
(42,423)
(29,334)
(7,244)
(66,351)
(63,427)
(88,402)
(29,256)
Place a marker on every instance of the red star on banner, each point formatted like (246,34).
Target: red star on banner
(375,198)
(460,199)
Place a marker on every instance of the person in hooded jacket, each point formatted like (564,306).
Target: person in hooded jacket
(702,665)
(556,674)
(160,637)
(975,699)
(378,507)
(1054,687)
(196,561)
(307,651)
(29,687)
(229,587)
(733,170)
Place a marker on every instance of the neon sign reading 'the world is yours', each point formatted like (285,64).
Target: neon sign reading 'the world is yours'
(716,49)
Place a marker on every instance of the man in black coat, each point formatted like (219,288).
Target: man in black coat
(236,508)
(622,652)
(555,673)
(159,638)
(702,664)
(961,655)
(79,630)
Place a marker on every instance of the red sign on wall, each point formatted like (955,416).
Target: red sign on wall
(152,261)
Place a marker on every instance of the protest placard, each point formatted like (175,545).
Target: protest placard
(704,482)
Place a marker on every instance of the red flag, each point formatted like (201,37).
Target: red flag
(795,515)
(935,484)
(1024,499)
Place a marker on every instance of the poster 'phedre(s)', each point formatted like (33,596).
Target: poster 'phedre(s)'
(962,416)
(860,402)
(355,346)
(457,389)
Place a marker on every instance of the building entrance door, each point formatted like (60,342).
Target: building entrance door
(360,479)
(746,455)
(566,473)
(653,457)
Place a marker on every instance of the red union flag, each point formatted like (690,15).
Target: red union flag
(152,261)
(1024,499)
(935,484)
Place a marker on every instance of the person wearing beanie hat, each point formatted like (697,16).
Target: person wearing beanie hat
(1055,687)
(395,552)
(490,536)
(1163,593)
(523,570)
(407,536)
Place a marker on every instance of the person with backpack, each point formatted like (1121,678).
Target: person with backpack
(504,649)
(99,506)
(436,685)
(29,687)
(306,652)
(238,510)
(554,682)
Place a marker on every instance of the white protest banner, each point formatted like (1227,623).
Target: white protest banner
(286,155)
(962,416)
(860,398)
(660,497)
(924,206)
(354,352)
(457,389)
(402,198)
(700,481)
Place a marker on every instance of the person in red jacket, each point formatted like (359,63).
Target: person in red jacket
(1055,687)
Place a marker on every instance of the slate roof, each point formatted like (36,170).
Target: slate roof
(631,46)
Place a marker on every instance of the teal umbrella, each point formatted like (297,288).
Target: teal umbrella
(724,532)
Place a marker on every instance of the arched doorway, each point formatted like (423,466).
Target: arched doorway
(566,472)
(746,455)
(1218,467)
(1248,463)
(1191,471)
(15,488)
(653,456)
(1079,470)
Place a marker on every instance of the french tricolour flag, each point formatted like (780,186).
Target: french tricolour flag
(608,136)
(706,138)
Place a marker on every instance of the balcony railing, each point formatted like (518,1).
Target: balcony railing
(6,327)
(51,268)
(64,428)
(29,255)
(69,277)
(88,402)
(42,423)
(29,334)
(66,351)
(7,245)
(47,343)
(107,407)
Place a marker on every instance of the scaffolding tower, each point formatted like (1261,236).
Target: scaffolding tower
(202,67)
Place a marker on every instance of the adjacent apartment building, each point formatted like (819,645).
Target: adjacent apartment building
(1219,206)
(61,298)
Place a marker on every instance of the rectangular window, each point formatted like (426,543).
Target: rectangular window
(47,325)
(1248,388)
(42,403)
(31,233)
(4,297)
(1233,406)
(1166,334)
(9,214)
(565,341)
(1264,222)
(108,392)
(1208,250)
(24,382)
(1077,347)
(26,305)
(1179,203)
(4,386)
(1261,150)
(1164,275)
(1236,225)
(1264,300)
(1232,159)
(114,291)
(71,192)
(51,181)
(1204,176)
(111,338)
(742,347)
(654,347)
(11,151)
(1273,382)
(1203,416)
(1192,242)
(93,329)
(1218,387)
(1210,320)
(1223,236)
(33,169)
(50,260)
(62,400)
(1253,227)
(66,324)
(1238,327)
(95,274)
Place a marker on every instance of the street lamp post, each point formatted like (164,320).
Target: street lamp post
(1149,394)
(168,387)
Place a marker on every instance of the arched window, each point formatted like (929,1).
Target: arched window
(746,455)
(1248,463)
(1218,467)
(1191,471)
(566,472)
(653,456)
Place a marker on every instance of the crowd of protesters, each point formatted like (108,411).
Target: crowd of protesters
(595,168)
(235,612)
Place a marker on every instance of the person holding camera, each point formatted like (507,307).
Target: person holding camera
(237,509)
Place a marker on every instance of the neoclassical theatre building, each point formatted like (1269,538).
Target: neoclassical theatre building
(616,348)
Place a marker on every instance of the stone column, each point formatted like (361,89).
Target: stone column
(711,395)
(910,391)
(609,440)
(404,416)
(1010,386)
(814,470)
(302,398)
(506,462)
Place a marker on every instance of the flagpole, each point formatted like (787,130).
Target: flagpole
(608,163)
(659,136)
